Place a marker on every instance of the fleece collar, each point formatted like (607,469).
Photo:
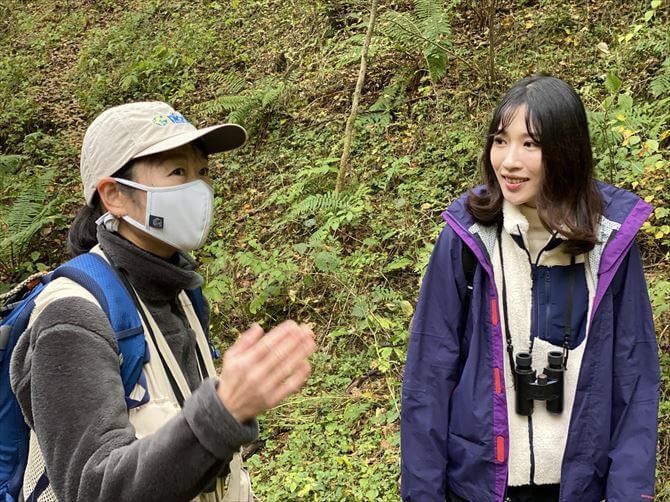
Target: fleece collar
(154,278)
(517,224)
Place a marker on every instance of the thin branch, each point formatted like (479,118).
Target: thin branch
(349,129)
(492,41)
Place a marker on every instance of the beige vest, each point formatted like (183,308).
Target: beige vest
(162,405)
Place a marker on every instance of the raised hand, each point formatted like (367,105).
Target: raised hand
(261,369)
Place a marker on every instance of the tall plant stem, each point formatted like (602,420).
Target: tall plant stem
(349,129)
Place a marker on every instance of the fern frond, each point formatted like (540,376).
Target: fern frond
(247,107)
(220,104)
(27,215)
(270,96)
(660,85)
(427,31)
(401,29)
(246,112)
(29,205)
(427,9)
(230,83)
(437,62)
(318,203)
(331,202)
(392,96)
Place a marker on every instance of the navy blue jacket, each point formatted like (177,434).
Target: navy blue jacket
(454,426)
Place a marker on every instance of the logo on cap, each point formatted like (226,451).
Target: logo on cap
(173,118)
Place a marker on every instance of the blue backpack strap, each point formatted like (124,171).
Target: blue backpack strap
(198,302)
(14,432)
(92,272)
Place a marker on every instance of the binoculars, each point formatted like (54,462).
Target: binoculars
(545,387)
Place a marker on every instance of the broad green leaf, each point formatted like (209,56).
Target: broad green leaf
(612,83)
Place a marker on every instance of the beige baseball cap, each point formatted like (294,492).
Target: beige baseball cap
(133,130)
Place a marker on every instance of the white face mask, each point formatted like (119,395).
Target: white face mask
(179,215)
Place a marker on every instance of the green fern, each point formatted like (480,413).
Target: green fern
(319,203)
(429,9)
(401,29)
(331,202)
(317,175)
(392,96)
(10,164)
(660,85)
(230,83)
(250,107)
(427,31)
(19,223)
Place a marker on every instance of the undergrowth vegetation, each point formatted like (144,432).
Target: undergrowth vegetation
(284,244)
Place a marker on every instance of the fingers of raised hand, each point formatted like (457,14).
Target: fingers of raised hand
(283,362)
(247,339)
(275,391)
(261,370)
(295,380)
(285,345)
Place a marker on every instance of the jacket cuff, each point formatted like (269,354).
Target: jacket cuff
(215,428)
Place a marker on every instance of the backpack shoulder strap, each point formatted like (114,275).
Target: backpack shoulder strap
(198,302)
(469,264)
(199,305)
(93,273)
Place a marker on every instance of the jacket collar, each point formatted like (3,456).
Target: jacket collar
(623,216)
(154,278)
(622,211)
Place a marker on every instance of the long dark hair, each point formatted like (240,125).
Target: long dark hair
(568,200)
(83,233)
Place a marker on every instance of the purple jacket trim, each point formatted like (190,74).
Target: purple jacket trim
(500,427)
(616,251)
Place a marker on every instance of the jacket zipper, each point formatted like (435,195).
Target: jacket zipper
(547,302)
(533,331)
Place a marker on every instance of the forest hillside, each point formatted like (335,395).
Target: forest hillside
(285,243)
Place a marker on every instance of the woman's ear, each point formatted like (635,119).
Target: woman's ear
(112,198)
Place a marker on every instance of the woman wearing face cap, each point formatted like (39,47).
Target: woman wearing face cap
(148,202)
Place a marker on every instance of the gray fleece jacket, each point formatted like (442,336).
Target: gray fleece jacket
(65,373)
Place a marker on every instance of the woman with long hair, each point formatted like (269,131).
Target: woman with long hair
(532,372)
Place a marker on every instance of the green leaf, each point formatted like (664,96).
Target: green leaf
(612,83)
(655,4)
(406,307)
(326,261)
(301,247)
(383,322)
(398,264)
(652,145)
(626,102)
(661,212)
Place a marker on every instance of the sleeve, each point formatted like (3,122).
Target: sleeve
(431,373)
(635,391)
(66,378)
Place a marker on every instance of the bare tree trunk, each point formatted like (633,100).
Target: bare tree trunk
(349,129)
(492,41)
